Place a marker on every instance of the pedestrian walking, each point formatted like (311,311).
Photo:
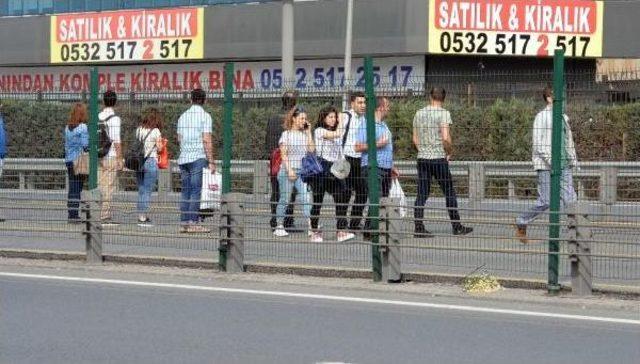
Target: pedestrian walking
(296,141)
(354,121)
(112,161)
(432,138)
(328,143)
(273,134)
(541,156)
(76,141)
(196,152)
(148,133)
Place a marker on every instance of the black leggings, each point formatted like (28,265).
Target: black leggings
(337,188)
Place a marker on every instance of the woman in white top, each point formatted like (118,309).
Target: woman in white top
(149,133)
(296,141)
(328,139)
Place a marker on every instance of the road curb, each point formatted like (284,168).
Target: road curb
(328,272)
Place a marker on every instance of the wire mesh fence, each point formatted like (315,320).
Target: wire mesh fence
(487,166)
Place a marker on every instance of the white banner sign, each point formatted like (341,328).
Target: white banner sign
(258,77)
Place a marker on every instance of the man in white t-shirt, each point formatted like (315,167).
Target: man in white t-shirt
(111,163)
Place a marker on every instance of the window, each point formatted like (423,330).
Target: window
(15,7)
(46,6)
(110,4)
(61,6)
(4,7)
(30,7)
(77,5)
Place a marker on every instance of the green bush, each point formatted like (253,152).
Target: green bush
(500,131)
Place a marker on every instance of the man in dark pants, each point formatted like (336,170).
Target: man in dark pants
(274,131)
(432,138)
(354,121)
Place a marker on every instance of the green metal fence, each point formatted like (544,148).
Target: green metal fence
(492,174)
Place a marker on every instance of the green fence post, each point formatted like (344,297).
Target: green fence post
(374,184)
(556,171)
(93,129)
(227,144)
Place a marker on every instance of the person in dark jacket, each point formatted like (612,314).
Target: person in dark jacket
(274,131)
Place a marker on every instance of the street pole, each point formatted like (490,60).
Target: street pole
(288,69)
(347,55)
(556,171)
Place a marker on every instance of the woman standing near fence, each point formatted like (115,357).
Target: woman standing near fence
(328,141)
(76,141)
(149,134)
(296,141)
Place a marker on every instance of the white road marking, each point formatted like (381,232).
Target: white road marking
(374,301)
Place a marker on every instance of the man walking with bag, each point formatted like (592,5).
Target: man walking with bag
(196,152)
(432,138)
(541,156)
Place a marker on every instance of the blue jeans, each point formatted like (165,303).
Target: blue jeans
(146,183)
(567,195)
(286,187)
(73,195)
(191,177)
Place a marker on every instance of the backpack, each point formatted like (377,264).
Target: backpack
(104,141)
(135,157)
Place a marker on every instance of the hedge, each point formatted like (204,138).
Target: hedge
(500,131)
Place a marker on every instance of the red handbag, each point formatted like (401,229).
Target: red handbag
(163,155)
(275,161)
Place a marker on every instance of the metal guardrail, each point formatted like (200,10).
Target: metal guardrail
(477,173)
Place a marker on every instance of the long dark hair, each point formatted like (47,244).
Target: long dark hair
(322,116)
(152,119)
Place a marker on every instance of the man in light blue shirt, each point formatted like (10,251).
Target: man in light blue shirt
(384,152)
(196,152)
(384,146)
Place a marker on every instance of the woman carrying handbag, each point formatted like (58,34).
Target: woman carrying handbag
(149,133)
(328,141)
(76,144)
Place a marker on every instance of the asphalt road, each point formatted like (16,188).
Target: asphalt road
(94,318)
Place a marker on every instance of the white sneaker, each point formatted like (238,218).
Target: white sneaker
(309,229)
(316,237)
(344,236)
(280,231)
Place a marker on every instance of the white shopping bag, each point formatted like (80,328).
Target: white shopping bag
(397,192)
(211,189)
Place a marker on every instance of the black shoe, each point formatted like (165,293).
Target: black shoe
(462,230)
(421,232)
(293,229)
(109,222)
